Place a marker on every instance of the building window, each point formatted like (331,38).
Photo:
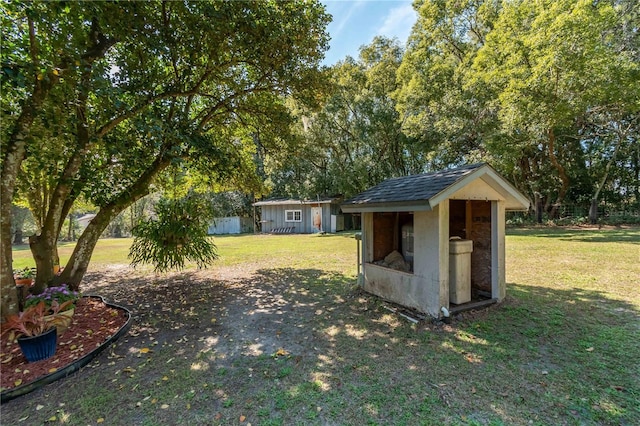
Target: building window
(293,215)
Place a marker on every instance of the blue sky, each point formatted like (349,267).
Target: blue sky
(357,22)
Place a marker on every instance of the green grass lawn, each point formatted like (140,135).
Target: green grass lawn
(563,348)
(337,252)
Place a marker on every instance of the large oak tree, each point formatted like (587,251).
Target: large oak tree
(106,95)
(520,84)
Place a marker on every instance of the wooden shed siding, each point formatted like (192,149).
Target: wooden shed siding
(273,217)
(481,254)
(383,235)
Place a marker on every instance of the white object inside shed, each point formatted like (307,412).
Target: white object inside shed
(460,270)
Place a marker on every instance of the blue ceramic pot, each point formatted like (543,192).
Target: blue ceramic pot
(37,348)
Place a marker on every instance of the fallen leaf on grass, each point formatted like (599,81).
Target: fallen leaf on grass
(590,349)
(145,350)
(242,419)
(18,382)
(281,352)
(164,406)
(39,407)
(100,420)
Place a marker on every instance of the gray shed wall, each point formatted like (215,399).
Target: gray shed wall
(273,217)
(230,225)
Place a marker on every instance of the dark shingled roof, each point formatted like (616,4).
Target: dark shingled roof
(412,188)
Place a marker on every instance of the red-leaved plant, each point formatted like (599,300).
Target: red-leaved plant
(37,319)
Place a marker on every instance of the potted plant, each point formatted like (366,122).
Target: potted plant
(60,295)
(24,276)
(35,329)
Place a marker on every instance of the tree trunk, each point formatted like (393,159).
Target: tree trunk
(636,173)
(593,210)
(70,236)
(562,174)
(77,266)
(14,154)
(42,246)
(18,236)
(538,207)
(18,218)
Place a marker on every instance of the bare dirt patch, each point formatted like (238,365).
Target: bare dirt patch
(200,323)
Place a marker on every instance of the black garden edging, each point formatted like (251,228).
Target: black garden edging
(10,394)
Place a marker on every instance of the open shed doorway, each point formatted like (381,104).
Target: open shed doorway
(471,220)
(393,232)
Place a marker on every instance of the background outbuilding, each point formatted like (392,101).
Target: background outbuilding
(301,216)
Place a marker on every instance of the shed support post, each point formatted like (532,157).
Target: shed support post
(498,284)
(468,220)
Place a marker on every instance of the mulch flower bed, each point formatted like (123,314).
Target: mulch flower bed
(93,323)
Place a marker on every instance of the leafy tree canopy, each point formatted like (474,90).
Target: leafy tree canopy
(100,97)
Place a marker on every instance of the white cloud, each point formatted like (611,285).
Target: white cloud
(340,20)
(398,23)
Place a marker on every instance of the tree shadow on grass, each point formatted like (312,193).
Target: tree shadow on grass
(305,346)
(573,349)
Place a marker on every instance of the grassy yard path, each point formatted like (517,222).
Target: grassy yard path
(277,334)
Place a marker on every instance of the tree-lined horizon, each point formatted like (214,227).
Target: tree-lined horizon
(100,101)
(546,92)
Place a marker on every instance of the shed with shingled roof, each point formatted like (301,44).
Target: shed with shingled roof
(428,219)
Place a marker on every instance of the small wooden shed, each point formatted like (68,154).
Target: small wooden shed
(286,215)
(432,220)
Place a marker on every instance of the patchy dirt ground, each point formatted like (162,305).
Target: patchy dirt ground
(237,299)
(267,344)
(223,314)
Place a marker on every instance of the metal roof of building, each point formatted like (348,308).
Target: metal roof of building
(290,201)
